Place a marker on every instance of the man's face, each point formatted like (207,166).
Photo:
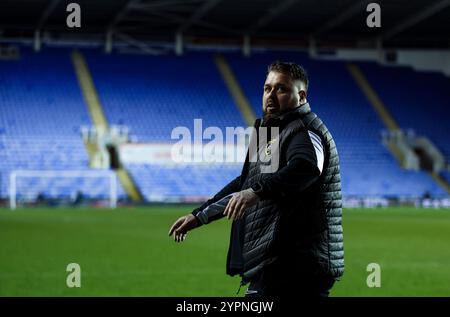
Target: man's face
(281,94)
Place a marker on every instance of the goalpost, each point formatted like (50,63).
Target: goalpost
(90,174)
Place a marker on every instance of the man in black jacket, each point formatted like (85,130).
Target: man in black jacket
(286,236)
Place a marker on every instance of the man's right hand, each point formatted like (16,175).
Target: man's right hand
(180,228)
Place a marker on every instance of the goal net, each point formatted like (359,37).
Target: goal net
(69,187)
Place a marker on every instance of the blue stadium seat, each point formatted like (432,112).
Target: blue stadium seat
(182,183)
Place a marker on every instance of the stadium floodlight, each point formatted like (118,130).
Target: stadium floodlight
(19,175)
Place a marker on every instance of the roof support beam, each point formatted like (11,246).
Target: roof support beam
(138,44)
(198,14)
(112,25)
(121,14)
(161,4)
(341,18)
(37,32)
(48,10)
(246,46)
(415,18)
(180,20)
(179,44)
(269,16)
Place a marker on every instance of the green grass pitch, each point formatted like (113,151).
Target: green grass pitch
(127,252)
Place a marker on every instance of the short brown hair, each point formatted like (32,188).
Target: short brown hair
(294,70)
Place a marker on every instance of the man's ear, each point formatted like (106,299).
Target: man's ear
(301,96)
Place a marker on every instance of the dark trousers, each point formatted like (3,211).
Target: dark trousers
(271,284)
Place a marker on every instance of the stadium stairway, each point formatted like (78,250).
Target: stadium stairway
(96,112)
(373,97)
(235,90)
(384,114)
(442,181)
(154,94)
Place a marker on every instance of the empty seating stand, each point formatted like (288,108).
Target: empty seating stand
(42,109)
(417,100)
(41,112)
(152,95)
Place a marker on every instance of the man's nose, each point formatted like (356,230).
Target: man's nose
(271,94)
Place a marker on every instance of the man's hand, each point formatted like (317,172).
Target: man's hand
(181,227)
(239,202)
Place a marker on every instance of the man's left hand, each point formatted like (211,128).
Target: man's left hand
(239,202)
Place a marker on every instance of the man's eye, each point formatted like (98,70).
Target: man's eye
(281,89)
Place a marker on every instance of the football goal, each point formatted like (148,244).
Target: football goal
(30,186)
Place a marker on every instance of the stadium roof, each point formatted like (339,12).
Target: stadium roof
(297,23)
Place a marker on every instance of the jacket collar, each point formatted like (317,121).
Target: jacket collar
(289,116)
(304,109)
(300,110)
